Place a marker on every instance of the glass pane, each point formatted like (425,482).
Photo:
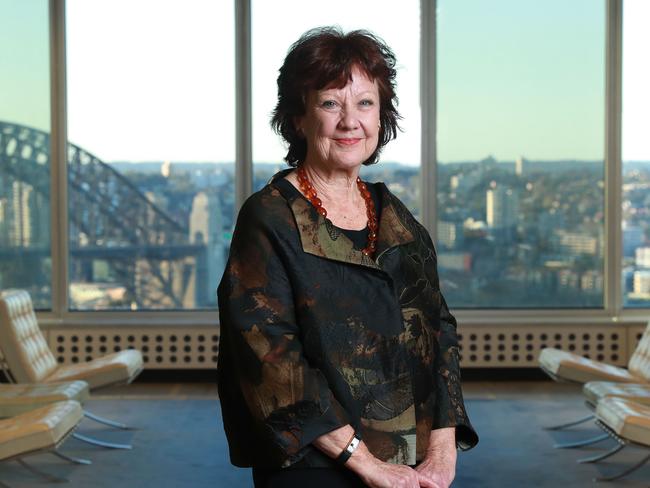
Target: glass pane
(399,165)
(151,154)
(521,153)
(636,154)
(25,259)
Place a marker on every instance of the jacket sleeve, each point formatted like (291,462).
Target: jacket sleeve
(263,358)
(449,408)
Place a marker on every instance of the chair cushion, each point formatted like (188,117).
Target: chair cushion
(637,392)
(630,420)
(23,344)
(569,366)
(119,367)
(43,428)
(17,399)
(639,364)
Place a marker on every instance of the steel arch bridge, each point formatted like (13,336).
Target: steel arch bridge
(109,219)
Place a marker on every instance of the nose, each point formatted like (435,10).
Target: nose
(349,118)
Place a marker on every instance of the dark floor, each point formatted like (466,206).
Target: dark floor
(180,442)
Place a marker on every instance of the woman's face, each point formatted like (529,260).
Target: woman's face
(341,125)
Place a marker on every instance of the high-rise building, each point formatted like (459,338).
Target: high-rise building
(21,234)
(454,182)
(450,234)
(641,282)
(166,169)
(502,208)
(643,257)
(577,243)
(464,182)
(520,166)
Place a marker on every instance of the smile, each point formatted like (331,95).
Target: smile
(347,142)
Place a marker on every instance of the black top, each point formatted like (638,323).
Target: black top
(315,335)
(358,237)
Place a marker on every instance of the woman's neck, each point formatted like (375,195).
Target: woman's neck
(338,185)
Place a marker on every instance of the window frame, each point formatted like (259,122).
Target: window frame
(612,311)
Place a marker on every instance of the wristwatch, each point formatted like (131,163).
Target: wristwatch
(350,448)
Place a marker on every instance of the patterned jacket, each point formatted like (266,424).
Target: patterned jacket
(315,335)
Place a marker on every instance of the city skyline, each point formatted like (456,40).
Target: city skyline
(518,235)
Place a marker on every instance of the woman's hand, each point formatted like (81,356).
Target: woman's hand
(435,474)
(373,472)
(378,474)
(438,468)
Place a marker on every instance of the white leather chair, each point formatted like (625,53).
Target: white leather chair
(16,399)
(28,358)
(40,430)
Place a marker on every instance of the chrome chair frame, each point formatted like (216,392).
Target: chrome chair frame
(621,444)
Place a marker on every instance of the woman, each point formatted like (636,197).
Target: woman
(338,362)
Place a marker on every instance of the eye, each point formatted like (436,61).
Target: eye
(367,102)
(328,104)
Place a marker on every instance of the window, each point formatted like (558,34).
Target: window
(25,256)
(521,153)
(520,100)
(636,155)
(400,161)
(151,153)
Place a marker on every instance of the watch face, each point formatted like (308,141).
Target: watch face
(353,444)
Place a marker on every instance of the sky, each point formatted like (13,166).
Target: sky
(515,77)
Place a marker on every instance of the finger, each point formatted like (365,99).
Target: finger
(425,482)
(428,484)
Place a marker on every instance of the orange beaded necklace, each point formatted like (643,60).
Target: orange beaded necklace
(310,192)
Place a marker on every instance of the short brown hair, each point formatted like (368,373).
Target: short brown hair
(326,56)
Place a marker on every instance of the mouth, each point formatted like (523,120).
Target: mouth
(347,141)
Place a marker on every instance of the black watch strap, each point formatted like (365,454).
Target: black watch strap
(350,448)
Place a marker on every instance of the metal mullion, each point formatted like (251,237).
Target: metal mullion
(613,292)
(428,92)
(58,155)
(243,103)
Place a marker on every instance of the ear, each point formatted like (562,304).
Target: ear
(297,123)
